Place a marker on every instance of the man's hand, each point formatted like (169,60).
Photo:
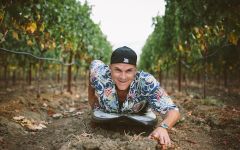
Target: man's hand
(161,135)
(92,99)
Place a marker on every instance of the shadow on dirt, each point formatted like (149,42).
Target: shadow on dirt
(130,128)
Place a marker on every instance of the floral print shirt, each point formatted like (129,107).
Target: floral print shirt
(144,89)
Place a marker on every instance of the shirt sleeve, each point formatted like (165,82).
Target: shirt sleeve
(159,100)
(97,72)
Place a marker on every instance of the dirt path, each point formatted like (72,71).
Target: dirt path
(62,121)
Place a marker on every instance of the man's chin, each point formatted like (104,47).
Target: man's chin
(122,88)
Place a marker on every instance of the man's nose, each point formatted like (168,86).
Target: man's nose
(123,76)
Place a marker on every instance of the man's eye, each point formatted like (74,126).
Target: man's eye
(129,71)
(117,70)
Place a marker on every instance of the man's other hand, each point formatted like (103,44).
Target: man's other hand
(161,135)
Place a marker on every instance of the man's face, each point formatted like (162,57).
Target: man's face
(123,74)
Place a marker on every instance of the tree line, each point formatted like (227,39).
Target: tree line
(61,30)
(195,40)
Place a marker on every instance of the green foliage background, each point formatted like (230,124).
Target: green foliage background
(200,35)
(51,28)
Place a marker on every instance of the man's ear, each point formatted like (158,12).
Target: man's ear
(110,67)
(136,69)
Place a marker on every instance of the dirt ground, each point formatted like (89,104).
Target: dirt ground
(63,121)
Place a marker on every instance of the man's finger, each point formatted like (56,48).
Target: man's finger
(167,141)
(153,136)
(164,147)
(162,140)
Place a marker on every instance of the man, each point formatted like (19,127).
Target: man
(120,89)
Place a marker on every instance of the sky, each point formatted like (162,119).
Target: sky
(126,22)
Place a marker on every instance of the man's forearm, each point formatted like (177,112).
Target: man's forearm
(171,118)
(92,99)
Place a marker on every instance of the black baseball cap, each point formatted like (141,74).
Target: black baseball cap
(124,55)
